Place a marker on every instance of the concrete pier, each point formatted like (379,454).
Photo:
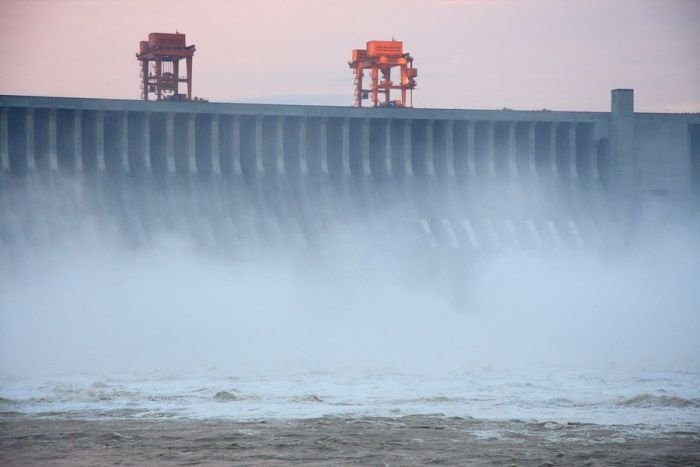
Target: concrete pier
(623,161)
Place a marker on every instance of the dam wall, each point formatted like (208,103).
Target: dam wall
(121,137)
(604,166)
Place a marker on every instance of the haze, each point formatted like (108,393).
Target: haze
(79,296)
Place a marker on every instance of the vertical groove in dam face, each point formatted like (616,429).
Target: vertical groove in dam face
(138,143)
(459,181)
(18,151)
(460,145)
(334,150)
(524,150)
(157,157)
(442,152)
(379,151)
(695,166)
(114,137)
(204,146)
(501,134)
(66,147)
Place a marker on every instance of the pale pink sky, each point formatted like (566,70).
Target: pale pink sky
(522,54)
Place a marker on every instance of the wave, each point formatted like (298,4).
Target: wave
(224,396)
(307,398)
(651,400)
(62,393)
(430,399)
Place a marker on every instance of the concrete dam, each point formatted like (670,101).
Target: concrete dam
(471,181)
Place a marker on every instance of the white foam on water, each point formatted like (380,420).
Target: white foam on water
(659,400)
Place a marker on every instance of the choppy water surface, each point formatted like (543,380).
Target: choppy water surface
(644,400)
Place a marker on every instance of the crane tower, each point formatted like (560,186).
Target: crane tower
(381,57)
(160,59)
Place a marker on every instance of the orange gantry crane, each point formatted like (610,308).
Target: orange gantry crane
(381,57)
(163,52)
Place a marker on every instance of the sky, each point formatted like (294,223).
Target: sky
(481,54)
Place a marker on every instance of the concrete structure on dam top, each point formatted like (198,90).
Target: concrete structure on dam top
(633,160)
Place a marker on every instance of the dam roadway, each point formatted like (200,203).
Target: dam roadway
(610,165)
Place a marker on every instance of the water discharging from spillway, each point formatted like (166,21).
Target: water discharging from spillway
(268,278)
(408,265)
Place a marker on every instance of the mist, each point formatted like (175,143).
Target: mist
(76,297)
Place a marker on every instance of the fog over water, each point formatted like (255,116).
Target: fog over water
(77,296)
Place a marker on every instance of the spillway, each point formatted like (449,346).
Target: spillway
(238,175)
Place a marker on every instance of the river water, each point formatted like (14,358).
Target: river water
(482,417)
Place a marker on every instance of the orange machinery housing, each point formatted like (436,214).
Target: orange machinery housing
(382,56)
(163,52)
